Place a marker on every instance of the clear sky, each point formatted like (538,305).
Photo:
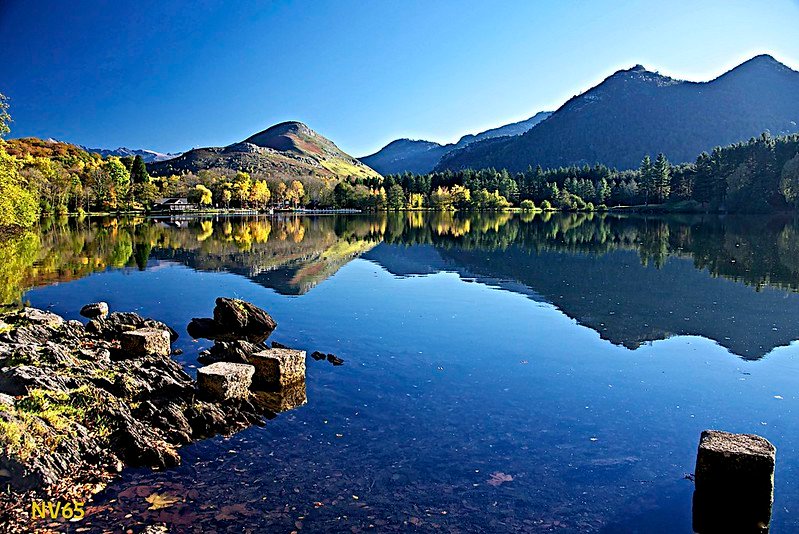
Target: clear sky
(171,75)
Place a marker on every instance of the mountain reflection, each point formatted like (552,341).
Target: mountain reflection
(632,279)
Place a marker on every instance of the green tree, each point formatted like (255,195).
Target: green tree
(789,181)
(138,171)
(647,178)
(395,197)
(662,177)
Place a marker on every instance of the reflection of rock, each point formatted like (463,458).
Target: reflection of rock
(278,367)
(225,380)
(734,483)
(284,399)
(234,319)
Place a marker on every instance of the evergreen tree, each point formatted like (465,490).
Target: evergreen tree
(647,178)
(138,171)
(662,177)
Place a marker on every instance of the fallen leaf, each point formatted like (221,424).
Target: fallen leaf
(158,501)
(499,478)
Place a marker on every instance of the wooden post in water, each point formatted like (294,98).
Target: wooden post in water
(734,479)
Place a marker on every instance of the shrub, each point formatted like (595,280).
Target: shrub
(527,205)
(546,205)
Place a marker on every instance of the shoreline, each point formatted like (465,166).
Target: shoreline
(79,403)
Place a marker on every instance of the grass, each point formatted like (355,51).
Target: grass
(342,169)
(43,418)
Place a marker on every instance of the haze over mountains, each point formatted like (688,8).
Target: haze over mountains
(287,150)
(636,112)
(419,156)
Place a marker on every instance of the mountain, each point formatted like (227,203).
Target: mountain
(636,112)
(288,150)
(147,155)
(422,156)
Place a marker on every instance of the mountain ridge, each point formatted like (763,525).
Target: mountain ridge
(289,149)
(420,156)
(635,111)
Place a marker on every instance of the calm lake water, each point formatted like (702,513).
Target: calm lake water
(502,373)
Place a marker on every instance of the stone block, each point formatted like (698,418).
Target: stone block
(145,342)
(225,380)
(734,479)
(278,367)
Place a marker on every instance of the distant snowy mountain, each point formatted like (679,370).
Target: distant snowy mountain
(148,156)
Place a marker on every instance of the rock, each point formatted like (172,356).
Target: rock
(225,380)
(112,327)
(20,379)
(238,351)
(6,400)
(335,360)
(243,319)
(233,320)
(95,310)
(278,367)
(203,328)
(734,479)
(318,355)
(145,342)
(284,399)
(42,317)
(278,345)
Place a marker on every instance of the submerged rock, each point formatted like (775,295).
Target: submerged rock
(335,360)
(95,310)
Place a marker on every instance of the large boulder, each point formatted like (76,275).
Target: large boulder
(234,319)
(224,380)
(278,367)
(734,483)
(95,310)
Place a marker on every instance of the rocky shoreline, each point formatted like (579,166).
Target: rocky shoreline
(78,403)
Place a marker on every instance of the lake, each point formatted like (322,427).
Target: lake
(503,372)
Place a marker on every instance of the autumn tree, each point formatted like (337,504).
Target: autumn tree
(260,194)
(204,195)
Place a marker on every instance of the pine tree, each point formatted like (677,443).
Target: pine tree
(662,177)
(647,178)
(138,171)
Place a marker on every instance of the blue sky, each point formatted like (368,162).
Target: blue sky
(171,75)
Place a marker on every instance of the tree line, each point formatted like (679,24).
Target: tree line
(44,177)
